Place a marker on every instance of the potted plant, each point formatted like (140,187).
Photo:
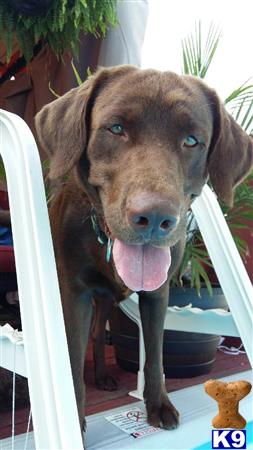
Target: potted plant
(189,354)
(55,22)
(196,261)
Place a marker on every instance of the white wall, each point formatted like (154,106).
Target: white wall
(171,20)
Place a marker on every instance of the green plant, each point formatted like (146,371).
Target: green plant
(2,171)
(60,27)
(197,57)
(240,105)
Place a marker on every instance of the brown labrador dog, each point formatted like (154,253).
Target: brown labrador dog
(138,146)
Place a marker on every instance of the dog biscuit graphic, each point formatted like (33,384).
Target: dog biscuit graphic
(228,396)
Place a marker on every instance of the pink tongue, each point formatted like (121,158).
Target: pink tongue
(141,267)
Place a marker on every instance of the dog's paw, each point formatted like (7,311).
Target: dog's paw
(163,415)
(107,383)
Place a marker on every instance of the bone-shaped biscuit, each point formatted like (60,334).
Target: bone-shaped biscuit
(228,396)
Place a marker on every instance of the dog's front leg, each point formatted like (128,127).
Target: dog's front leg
(77,311)
(103,307)
(160,411)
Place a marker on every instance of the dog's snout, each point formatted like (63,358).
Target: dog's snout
(151,215)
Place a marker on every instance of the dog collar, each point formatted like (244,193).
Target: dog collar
(101,236)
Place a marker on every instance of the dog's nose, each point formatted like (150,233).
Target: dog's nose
(151,215)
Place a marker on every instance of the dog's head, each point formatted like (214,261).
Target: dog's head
(143,144)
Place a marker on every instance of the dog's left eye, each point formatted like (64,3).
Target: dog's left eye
(117,129)
(190,141)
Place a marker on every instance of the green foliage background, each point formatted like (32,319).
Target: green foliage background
(198,51)
(61,26)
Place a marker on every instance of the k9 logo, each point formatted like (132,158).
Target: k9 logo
(229,439)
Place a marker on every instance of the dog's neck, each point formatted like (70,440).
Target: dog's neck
(101,236)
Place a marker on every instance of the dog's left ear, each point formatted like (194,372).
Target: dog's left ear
(231,152)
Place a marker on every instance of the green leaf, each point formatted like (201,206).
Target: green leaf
(196,61)
(241,245)
(52,90)
(203,274)
(78,78)
(196,277)
(239,92)
(2,170)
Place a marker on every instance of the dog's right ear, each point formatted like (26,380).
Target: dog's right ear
(62,124)
(61,129)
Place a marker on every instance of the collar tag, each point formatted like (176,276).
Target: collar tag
(101,236)
(108,250)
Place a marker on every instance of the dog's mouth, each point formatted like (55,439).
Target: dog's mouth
(141,267)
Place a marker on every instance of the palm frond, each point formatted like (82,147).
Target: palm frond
(196,56)
(242,91)
(240,105)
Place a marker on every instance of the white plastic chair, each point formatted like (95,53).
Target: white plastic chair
(54,411)
(233,279)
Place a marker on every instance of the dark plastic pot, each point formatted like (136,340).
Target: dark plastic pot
(184,354)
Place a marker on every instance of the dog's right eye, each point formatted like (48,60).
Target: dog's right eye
(117,129)
(190,141)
